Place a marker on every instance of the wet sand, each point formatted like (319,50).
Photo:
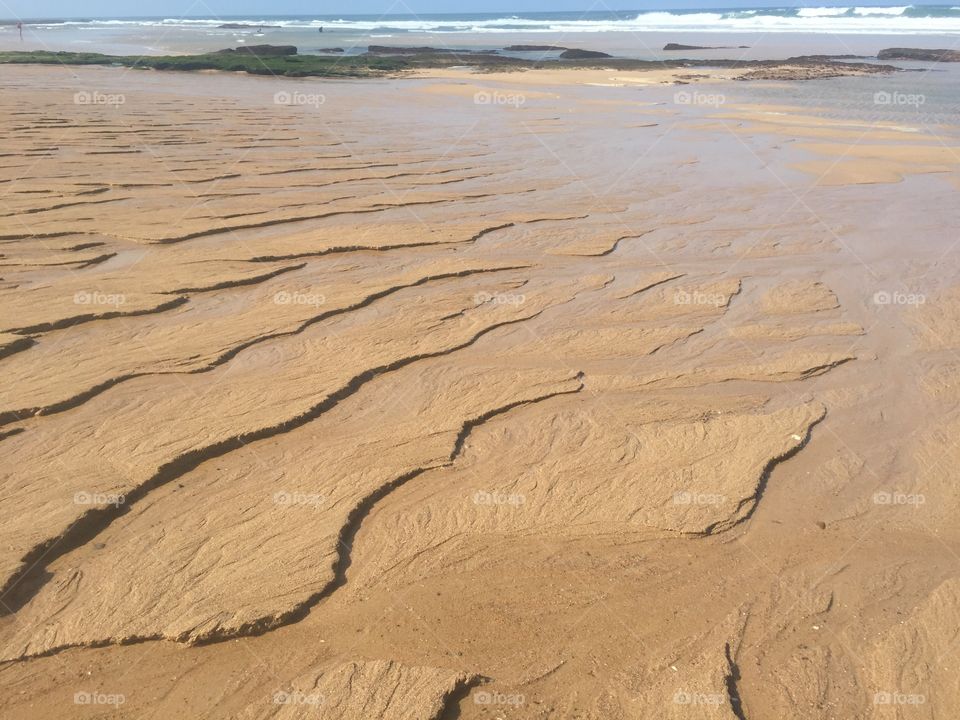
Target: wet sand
(521,395)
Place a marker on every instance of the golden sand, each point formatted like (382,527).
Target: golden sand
(399,403)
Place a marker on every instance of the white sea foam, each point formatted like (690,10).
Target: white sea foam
(851,19)
(880,10)
(821,12)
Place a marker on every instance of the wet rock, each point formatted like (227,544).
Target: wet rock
(261,50)
(391,50)
(534,48)
(574,54)
(678,46)
(919,54)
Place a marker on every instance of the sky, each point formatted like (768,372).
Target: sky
(220,8)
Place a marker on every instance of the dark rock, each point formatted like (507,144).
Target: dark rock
(388,50)
(919,54)
(534,48)
(803,68)
(678,46)
(330,50)
(261,50)
(575,54)
(826,58)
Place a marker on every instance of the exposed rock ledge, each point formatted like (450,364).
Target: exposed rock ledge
(919,54)
(261,50)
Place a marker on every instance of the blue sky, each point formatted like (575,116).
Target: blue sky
(219,8)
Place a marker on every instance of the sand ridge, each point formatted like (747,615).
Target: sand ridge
(319,417)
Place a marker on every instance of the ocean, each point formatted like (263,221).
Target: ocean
(854,19)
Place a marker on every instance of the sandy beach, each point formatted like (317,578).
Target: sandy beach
(572,393)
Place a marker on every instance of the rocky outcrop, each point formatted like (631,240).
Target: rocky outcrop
(678,46)
(393,50)
(920,54)
(261,50)
(804,69)
(534,48)
(574,54)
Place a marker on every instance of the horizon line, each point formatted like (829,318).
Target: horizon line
(213,16)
